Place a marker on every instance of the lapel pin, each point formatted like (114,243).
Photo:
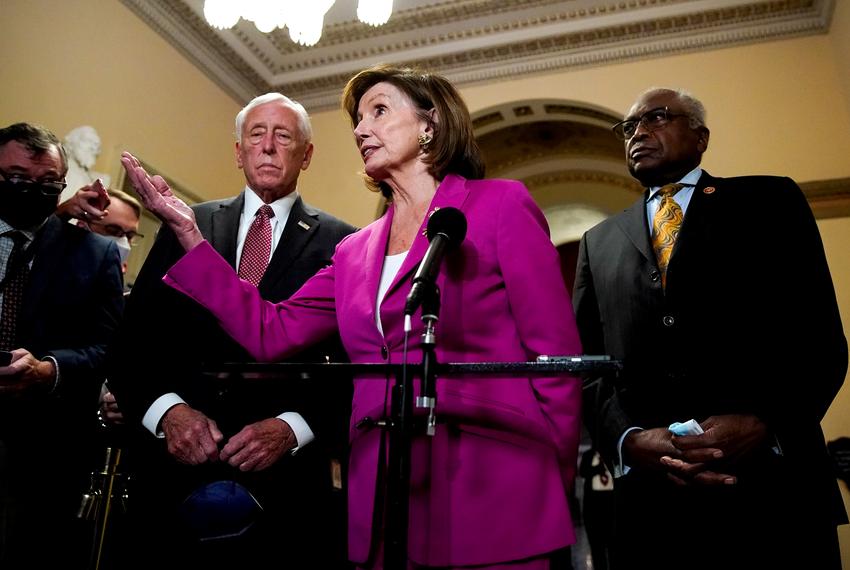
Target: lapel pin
(431,213)
(708,190)
(304,225)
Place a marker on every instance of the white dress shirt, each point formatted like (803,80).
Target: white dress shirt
(281,207)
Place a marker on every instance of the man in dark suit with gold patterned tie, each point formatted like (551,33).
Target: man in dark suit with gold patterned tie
(716,295)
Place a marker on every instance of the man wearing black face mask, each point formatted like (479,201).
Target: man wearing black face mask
(60,301)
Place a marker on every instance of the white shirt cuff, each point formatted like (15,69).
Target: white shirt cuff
(299,427)
(621,468)
(56,365)
(153,416)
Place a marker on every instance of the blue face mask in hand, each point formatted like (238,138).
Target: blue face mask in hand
(690,427)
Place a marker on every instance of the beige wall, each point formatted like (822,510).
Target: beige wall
(840,37)
(333,182)
(774,108)
(71,63)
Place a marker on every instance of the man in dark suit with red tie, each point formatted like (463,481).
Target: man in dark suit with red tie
(282,440)
(61,300)
(716,295)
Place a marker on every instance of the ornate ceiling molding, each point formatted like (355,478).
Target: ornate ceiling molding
(472,41)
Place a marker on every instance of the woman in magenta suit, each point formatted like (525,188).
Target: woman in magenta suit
(490,488)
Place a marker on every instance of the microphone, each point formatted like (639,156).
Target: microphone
(446,230)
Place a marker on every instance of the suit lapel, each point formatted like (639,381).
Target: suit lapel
(224,227)
(301,226)
(698,212)
(373,259)
(451,192)
(49,247)
(633,222)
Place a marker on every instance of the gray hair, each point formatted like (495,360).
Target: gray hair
(303,118)
(691,106)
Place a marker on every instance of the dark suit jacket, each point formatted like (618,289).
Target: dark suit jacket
(71,309)
(749,324)
(167,339)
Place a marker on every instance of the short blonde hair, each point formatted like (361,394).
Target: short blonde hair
(127,199)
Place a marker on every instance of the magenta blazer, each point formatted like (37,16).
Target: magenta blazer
(492,485)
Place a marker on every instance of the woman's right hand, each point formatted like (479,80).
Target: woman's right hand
(158,198)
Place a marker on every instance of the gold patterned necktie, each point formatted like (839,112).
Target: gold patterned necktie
(665,228)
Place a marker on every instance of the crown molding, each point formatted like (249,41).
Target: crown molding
(473,41)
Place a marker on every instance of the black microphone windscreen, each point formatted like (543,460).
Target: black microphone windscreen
(450,222)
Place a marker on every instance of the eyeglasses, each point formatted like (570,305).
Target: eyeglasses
(652,120)
(23,184)
(115,230)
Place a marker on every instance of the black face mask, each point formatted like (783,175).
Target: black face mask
(25,210)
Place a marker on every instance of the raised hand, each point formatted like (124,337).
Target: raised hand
(158,198)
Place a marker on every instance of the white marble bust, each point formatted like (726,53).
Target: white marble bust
(82,145)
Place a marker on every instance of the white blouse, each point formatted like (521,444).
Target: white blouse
(392,263)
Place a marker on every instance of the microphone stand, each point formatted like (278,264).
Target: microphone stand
(428,395)
(97,503)
(401,430)
(400,427)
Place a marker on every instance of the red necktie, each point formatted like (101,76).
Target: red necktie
(17,275)
(258,246)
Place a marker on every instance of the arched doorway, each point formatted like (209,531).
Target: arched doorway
(568,158)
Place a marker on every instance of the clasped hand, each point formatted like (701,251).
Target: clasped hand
(193,438)
(705,459)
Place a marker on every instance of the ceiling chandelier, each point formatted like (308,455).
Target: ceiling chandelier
(303,18)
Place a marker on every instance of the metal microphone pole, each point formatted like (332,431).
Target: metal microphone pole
(428,394)
(401,427)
